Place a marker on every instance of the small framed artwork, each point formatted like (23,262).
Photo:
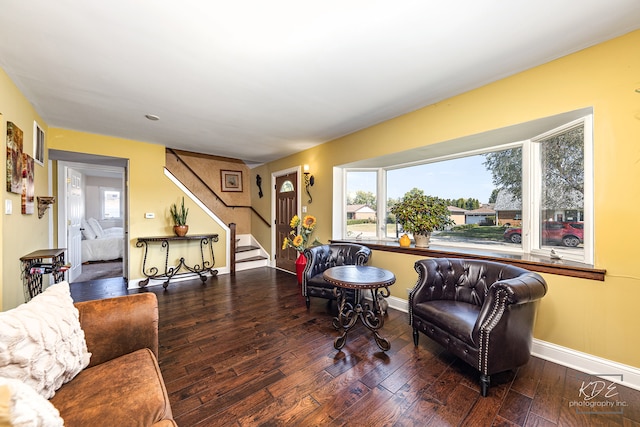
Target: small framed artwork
(14,158)
(231,180)
(38,144)
(28,184)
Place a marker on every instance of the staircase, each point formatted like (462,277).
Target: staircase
(249,254)
(199,174)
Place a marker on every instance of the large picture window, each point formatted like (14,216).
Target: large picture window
(524,196)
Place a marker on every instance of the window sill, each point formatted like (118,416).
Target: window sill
(536,263)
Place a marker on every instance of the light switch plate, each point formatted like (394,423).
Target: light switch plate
(8,207)
(149,215)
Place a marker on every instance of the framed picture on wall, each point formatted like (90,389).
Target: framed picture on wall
(14,158)
(38,144)
(231,180)
(28,184)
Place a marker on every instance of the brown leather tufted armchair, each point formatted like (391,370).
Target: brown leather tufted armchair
(481,311)
(320,258)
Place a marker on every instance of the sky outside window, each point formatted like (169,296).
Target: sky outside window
(465,177)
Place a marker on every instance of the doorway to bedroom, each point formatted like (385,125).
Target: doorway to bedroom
(92,215)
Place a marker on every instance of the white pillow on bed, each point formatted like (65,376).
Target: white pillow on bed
(87,230)
(97,228)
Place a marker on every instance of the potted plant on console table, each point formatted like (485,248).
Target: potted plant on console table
(179,216)
(420,215)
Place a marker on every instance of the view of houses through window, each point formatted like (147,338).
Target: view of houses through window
(487,193)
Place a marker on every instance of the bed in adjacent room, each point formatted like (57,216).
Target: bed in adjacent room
(101,244)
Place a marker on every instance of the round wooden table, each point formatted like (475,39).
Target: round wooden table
(360,278)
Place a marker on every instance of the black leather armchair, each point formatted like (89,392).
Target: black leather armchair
(481,311)
(320,258)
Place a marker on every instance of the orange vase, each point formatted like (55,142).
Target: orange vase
(180,230)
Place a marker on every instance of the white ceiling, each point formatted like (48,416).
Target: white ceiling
(258,80)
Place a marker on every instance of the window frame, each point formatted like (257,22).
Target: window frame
(103,190)
(531,193)
(38,144)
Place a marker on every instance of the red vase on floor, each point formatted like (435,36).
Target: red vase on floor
(301,263)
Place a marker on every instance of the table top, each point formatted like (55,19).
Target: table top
(43,253)
(174,237)
(359,277)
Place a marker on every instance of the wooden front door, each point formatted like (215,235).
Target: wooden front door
(286,208)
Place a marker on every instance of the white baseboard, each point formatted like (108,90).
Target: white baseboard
(609,370)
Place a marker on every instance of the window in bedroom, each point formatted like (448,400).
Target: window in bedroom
(111,203)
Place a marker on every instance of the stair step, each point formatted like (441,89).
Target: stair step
(253,258)
(246,248)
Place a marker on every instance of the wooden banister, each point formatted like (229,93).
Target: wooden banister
(177,156)
(233,248)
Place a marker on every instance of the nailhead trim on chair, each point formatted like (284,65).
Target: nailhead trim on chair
(487,327)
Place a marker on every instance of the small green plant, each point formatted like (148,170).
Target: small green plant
(421,214)
(179,215)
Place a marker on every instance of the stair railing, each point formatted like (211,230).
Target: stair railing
(177,156)
(234,248)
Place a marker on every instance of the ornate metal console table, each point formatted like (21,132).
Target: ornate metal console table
(206,248)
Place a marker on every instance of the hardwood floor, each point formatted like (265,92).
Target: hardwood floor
(245,351)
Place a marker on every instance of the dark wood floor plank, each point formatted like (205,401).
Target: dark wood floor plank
(359,414)
(515,407)
(534,420)
(335,397)
(419,414)
(242,409)
(459,402)
(547,401)
(528,377)
(245,350)
(214,403)
(484,412)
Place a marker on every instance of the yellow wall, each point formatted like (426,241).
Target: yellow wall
(21,234)
(149,191)
(593,317)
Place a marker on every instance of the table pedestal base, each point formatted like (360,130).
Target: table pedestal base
(370,316)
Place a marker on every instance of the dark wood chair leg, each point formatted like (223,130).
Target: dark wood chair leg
(308,302)
(485,380)
(416,337)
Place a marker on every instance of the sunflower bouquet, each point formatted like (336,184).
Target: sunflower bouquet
(301,232)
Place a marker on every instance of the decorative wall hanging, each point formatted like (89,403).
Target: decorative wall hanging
(259,184)
(14,158)
(43,204)
(231,180)
(28,188)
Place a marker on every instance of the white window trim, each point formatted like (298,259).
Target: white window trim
(530,194)
(532,245)
(38,157)
(102,190)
